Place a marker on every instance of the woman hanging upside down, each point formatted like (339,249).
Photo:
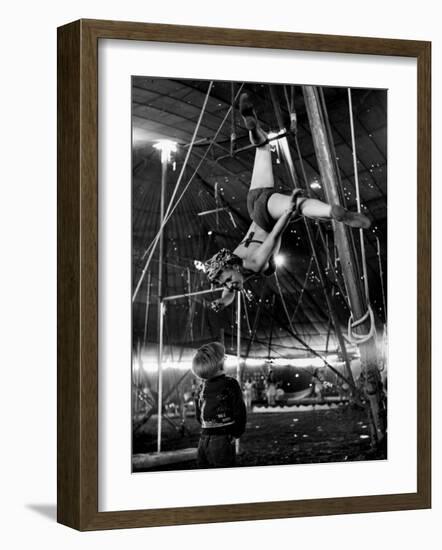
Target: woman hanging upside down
(271,212)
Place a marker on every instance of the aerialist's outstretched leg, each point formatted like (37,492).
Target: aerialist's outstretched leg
(278,203)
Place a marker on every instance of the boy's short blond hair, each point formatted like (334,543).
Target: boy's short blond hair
(208,360)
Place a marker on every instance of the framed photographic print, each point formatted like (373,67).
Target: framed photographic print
(243,275)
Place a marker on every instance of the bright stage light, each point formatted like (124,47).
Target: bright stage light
(166,146)
(315,184)
(279,260)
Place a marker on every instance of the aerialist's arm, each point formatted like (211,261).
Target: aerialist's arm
(257,261)
(227,297)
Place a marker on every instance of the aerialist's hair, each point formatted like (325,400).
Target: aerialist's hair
(208,360)
(224,259)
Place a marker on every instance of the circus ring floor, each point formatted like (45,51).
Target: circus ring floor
(302,435)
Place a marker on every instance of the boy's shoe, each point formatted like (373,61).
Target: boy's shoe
(353,219)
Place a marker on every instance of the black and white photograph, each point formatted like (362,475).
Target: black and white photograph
(259,274)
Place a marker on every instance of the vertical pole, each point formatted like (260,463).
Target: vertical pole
(164,161)
(238,337)
(381,275)
(292,174)
(136,378)
(325,156)
(189,303)
(269,347)
(255,322)
(146,316)
(140,365)
(232,120)
(329,179)
(358,197)
(238,348)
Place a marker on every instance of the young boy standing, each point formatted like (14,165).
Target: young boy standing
(219,408)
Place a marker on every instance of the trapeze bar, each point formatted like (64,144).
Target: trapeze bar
(187,294)
(252,146)
(203,142)
(213,211)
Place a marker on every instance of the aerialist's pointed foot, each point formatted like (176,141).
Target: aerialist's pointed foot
(256,133)
(353,219)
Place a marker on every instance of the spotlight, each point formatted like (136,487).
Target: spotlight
(315,184)
(279,260)
(166,146)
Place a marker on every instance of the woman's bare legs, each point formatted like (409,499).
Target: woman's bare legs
(278,204)
(311,208)
(262,175)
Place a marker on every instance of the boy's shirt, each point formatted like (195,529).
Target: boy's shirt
(219,406)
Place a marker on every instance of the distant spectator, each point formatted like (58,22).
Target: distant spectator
(279,394)
(318,384)
(248,393)
(271,389)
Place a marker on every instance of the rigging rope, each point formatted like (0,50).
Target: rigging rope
(284,305)
(271,328)
(301,294)
(307,188)
(232,122)
(146,316)
(381,275)
(353,337)
(358,196)
(256,320)
(311,350)
(292,169)
(153,244)
(171,209)
(203,158)
(357,339)
(246,311)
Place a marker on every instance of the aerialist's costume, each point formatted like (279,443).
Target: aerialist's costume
(257,200)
